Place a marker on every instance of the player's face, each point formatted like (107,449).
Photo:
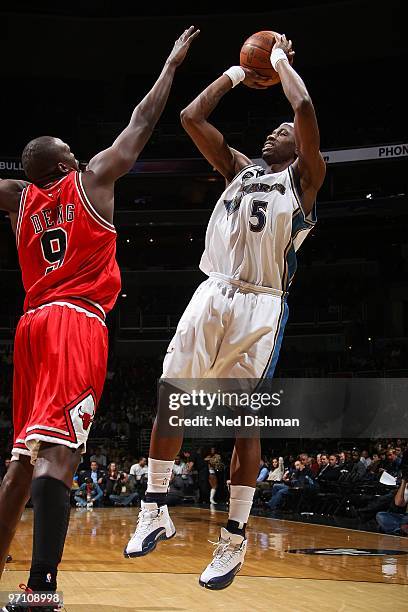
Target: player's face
(67,160)
(279,145)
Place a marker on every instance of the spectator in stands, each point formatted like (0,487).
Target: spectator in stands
(95,474)
(345,462)
(112,476)
(353,470)
(305,459)
(89,494)
(124,491)
(277,470)
(315,464)
(289,461)
(214,465)
(373,471)
(391,463)
(356,458)
(178,467)
(263,472)
(398,455)
(365,458)
(329,471)
(126,461)
(323,464)
(139,469)
(99,457)
(395,523)
(300,478)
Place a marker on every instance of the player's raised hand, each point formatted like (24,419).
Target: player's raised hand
(281,42)
(254,80)
(182,45)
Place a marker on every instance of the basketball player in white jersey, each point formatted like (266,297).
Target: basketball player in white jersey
(233,325)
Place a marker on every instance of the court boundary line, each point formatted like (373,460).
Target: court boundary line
(401,584)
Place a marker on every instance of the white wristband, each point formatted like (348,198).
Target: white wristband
(236,74)
(276,56)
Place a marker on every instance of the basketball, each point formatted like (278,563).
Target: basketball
(256,54)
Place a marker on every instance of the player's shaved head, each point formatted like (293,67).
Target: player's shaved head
(46,158)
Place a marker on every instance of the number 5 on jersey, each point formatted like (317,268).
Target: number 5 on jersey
(54,246)
(258,210)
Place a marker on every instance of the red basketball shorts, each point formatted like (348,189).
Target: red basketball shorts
(60,360)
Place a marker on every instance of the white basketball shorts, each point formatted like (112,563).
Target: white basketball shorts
(230,329)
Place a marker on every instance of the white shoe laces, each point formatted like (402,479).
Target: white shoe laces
(223,553)
(144,521)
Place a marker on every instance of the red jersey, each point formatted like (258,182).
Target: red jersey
(67,251)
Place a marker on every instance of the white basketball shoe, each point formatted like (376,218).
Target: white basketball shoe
(153,524)
(228,559)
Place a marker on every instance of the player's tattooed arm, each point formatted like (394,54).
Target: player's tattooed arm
(207,138)
(119,159)
(309,165)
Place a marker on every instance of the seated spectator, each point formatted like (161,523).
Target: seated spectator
(373,472)
(345,462)
(124,491)
(398,455)
(300,478)
(315,464)
(277,470)
(351,468)
(394,523)
(95,474)
(139,469)
(305,459)
(329,471)
(391,463)
(112,476)
(365,459)
(263,472)
(89,494)
(178,467)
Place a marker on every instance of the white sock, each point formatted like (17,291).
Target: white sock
(240,503)
(158,475)
(212,494)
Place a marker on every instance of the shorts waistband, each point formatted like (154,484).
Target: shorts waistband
(79,305)
(236,282)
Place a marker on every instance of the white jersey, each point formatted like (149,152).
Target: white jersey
(256,228)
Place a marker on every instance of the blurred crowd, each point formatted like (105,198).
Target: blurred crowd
(368,484)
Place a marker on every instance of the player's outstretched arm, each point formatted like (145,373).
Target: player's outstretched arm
(112,163)
(210,142)
(309,165)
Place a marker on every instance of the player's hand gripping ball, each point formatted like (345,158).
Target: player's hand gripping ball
(256,56)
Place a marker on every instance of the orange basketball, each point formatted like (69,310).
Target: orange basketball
(256,54)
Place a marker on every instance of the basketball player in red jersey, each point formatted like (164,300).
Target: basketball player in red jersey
(66,241)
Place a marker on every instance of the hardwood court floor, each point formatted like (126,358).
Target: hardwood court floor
(95,576)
